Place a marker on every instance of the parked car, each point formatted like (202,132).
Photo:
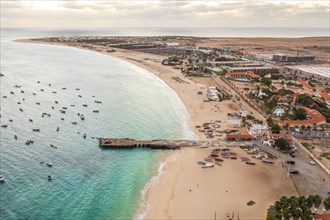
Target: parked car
(312,162)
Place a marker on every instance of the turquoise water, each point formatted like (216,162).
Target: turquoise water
(88,182)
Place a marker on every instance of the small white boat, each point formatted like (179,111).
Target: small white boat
(2,178)
(49,177)
(49,163)
(208,165)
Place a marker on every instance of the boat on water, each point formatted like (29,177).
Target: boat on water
(51,145)
(28,142)
(17,86)
(38,103)
(52,107)
(64,88)
(15,137)
(63,112)
(62,119)
(41,90)
(54,92)
(4,96)
(74,123)
(49,163)
(38,81)
(18,103)
(80,96)
(82,117)
(85,105)
(58,128)
(72,105)
(96,111)
(30,120)
(2,178)
(36,129)
(22,91)
(64,108)
(12,92)
(4,126)
(84,135)
(99,102)
(56,102)
(34,93)
(10,120)
(77,89)
(49,177)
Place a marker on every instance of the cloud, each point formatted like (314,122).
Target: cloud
(181,13)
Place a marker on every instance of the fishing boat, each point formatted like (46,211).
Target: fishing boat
(38,81)
(15,137)
(12,92)
(58,128)
(28,142)
(4,96)
(74,123)
(56,102)
(2,178)
(233,158)
(64,108)
(82,117)
(79,96)
(267,160)
(99,102)
(31,141)
(54,92)
(201,163)
(41,90)
(49,177)
(62,119)
(84,135)
(218,159)
(22,91)
(64,88)
(208,165)
(72,105)
(52,107)
(96,111)
(250,163)
(4,126)
(36,129)
(30,120)
(77,89)
(62,111)
(51,145)
(34,93)
(38,103)
(49,163)
(10,120)
(49,84)
(85,105)
(18,103)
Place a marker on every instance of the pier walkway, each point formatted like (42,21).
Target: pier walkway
(158,144)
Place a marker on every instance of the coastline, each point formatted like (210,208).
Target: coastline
(166,194)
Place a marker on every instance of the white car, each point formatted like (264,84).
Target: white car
(312,162)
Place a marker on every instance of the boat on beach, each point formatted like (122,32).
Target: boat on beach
(267,160)
(250,163)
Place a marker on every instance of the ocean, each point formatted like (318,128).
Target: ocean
(88,182)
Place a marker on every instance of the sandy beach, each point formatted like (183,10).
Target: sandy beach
(217,191)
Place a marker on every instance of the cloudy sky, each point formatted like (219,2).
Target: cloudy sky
(163,13)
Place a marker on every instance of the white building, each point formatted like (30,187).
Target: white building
(257,130)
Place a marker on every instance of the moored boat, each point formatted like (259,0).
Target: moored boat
(84,135)
(96,111)
(49,177)
(250,163)
(2,178)
(49,163)
(36,129)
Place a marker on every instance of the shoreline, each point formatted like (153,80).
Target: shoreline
(167,189)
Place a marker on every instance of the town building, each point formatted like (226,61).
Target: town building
(315,118)
(239,137)
(257,130)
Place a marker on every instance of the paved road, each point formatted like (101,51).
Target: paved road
(312,179)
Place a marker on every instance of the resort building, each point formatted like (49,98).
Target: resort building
(325,97)
(242,75)
(258,69)
(315,118)
(272,137)
(292,58)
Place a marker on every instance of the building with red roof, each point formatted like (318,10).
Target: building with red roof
(246,74)
(315,118)
(321,217)
(239,137)
(305,84)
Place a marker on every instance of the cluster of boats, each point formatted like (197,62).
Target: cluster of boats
(63,110)
(209,128)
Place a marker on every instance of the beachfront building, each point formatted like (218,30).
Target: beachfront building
(257,130)
(239,137)
(315,118)
(272,137)
(212,93)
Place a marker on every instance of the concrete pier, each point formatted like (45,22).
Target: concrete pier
(152,144)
